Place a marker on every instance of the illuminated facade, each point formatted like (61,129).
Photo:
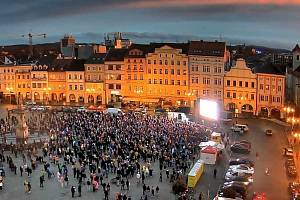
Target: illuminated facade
(206,68)
(167,74)
(240,89)
(39,83)
(23,82)
(134,74)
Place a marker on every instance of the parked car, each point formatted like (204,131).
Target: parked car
(241,128)
(269,132)
(242,168)
(288,152)
(232,174)
(240,148)
(291,171)
(289,162)
(244,142)
(239,161)
(243,177)
(238,188)
(294,187)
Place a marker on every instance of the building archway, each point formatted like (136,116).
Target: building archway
(37,96)
(62,97)
(247,108)
(264,112)
(28,96)
(231,107)
(53,97)
(90,99)
(81,99)
(99,99)
(275,113)
(72,98)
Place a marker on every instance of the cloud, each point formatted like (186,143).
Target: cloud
(33,10)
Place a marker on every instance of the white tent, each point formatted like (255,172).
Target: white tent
(209,155)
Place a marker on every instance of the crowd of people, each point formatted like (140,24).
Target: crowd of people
(91,147)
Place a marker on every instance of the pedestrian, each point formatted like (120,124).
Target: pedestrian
(144,189)
(29,187)
(160,177)
(215,173)
(152,191)
(200,196)
(73,191)
(167,173)
(79,190)
(127,184)
(42,181)
(21,170)
(157,189)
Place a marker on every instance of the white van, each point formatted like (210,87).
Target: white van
(240,128)
(113,111)
(178,116)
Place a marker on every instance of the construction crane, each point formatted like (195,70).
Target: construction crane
(30,36)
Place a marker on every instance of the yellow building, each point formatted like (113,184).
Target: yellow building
(167,74)
(270,91)
(134,74)
(240,89)
(75,83)
(7,82)
(23,82)
(39,81)
(206,70)
(114,75)
(94,79)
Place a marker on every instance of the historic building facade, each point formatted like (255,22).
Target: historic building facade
(240,89)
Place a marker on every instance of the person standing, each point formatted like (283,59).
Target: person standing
(73,191)
(127,184)
(29,187)
(21,170)
(79,190)
(215,173)
(42,181)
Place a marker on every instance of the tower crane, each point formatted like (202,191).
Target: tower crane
(30,36)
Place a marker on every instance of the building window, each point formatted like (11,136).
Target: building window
(166,62)
(135,77)
(76,87)
(118,67)
(110,67)
(155,71)
(160,62)
(166,81)
(81,87)
(216,81)
(149,61)
(154,62)
(215,69)
(252,96)
(184,82)
(178,82)
(228,82)
(172,71)
(149,81)
(206,81)
(118,86)
(234,95)
(172,82)
(178,71)
(129,76)
(166,71)
(262,98)
(252,84)
(178,92)
(178,62)
(70,87)
(246,84)
(155,82)
(184,72)
(70,77)
(219,69)
(160,71)
(172,62)
(111,86)
(160,81)
(134,67)
(149,71)
(206,68)
(298,57)
(228,94)
(267,87)
(279,88)
(141,77)
(240,83)
(234,83)
(219,81)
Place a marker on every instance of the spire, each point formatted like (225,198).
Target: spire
(296,49)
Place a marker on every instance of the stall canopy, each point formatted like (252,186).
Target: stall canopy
(209,155)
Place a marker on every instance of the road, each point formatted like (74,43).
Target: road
(270,150)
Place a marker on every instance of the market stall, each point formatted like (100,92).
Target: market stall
(195,173)
(209,155)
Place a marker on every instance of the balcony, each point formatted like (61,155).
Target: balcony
(94,81)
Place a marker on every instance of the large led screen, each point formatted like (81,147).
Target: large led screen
(209,109)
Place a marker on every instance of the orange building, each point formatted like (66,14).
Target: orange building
(167,74)
(23,82)
(135,74)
